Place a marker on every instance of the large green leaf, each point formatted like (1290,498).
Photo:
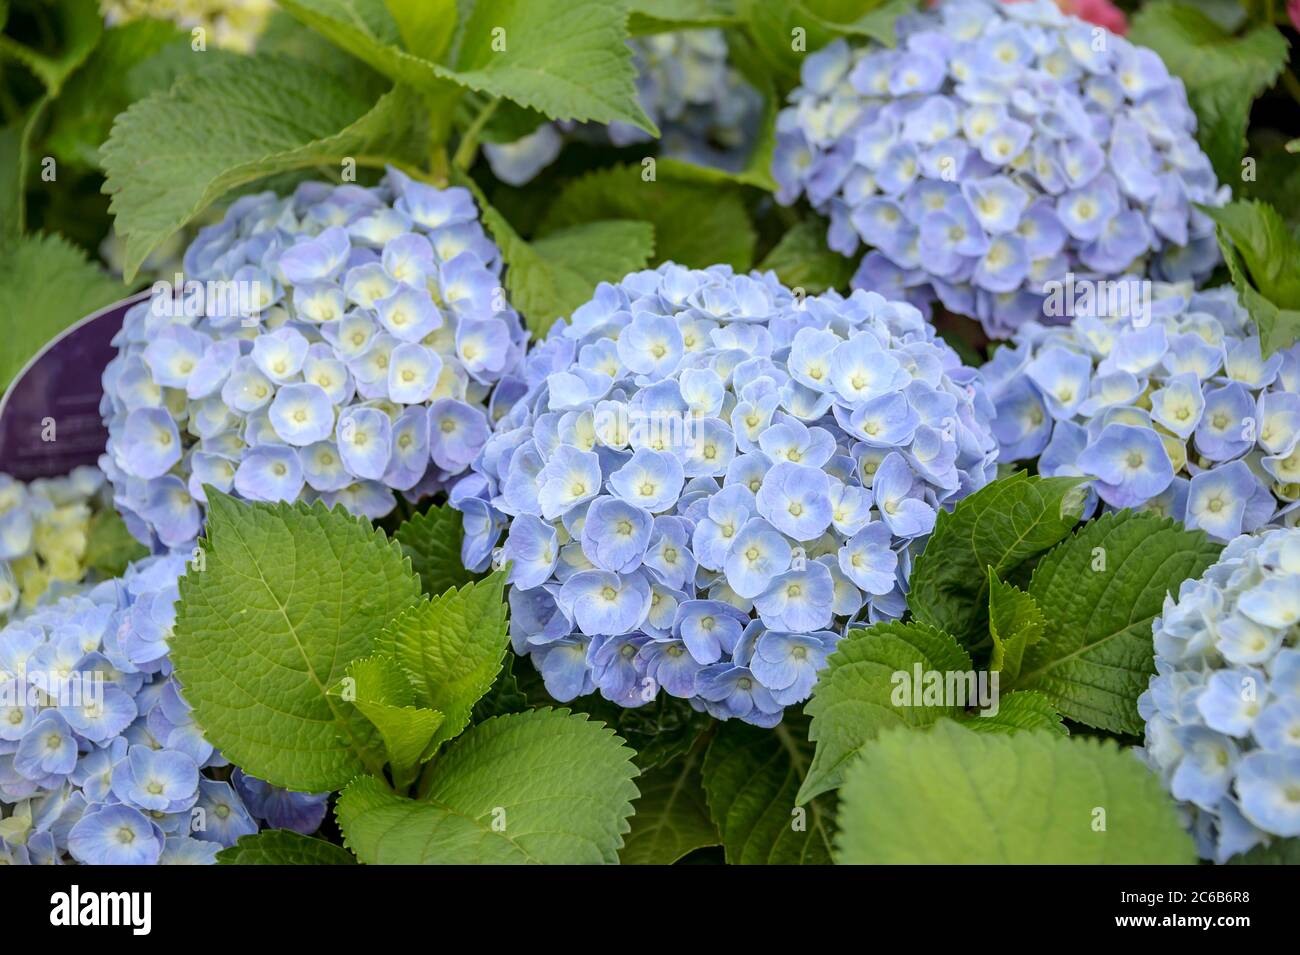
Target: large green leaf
(564,58)
(1098,593)
(543,786)
(450,649)
(751,778)
(672,816)
(855,695)
(1020,710)
(174,153)
(952,796)
(1001,526)
(286,598)
(284,847)
(46,285)
(719,229)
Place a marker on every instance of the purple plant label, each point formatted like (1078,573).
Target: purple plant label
(49,418)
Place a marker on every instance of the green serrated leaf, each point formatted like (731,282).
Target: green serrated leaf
(858,693)
(283,847)
(1099,592)
(802,260)
(381,693)
(164,168)
(46,285)
(288,596)
(663,16)
(1021,710)
(952,796)
(543,786)
(774,23)
(1015,622)
(110,546)
(564,58)
(450,648)
(1002,525)
(504,696)
(1261,254)
(425,26)
(1223,72)
(552,276)
(672,816)
(431,539)
(751,778)
(720,230)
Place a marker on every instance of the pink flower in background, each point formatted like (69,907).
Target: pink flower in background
(1104,13)
(1293,11)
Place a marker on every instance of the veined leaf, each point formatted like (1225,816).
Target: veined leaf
(952,796)
(284,847)
(288,596)
(543,787)
(672,815)
(1015,622)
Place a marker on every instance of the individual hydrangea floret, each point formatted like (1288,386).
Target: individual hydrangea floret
(996,149)
(44,529)
(100,759)
(706,111)
(342,344)
(1164,398)
(708,479)
(1223,710)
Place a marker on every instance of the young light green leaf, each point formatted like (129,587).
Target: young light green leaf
(164,168)
(564,58)
(426,26)
(802,259)
(720,229)
(381,692)
(431,539)
(951,796)
(284,847)
(1015,622)
(287,596)
(544,786)
(1001,526)
(672,816)
(1021,710)
(450,648)
(1223,72)
(46,285)
(1099,592)
(751,778)
(859,693)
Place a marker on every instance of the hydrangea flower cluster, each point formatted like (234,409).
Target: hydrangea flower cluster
(100,759)
(1223,710)
(43,533)
(709,479)
(1000,147)
(338,344)
(706,111)
(229,24)
(1164,399)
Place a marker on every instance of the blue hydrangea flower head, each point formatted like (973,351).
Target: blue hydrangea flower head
(340,344)
(706,111)
(708,478)
(100,759)
(1223,710)
(1163,397)
(998,147)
